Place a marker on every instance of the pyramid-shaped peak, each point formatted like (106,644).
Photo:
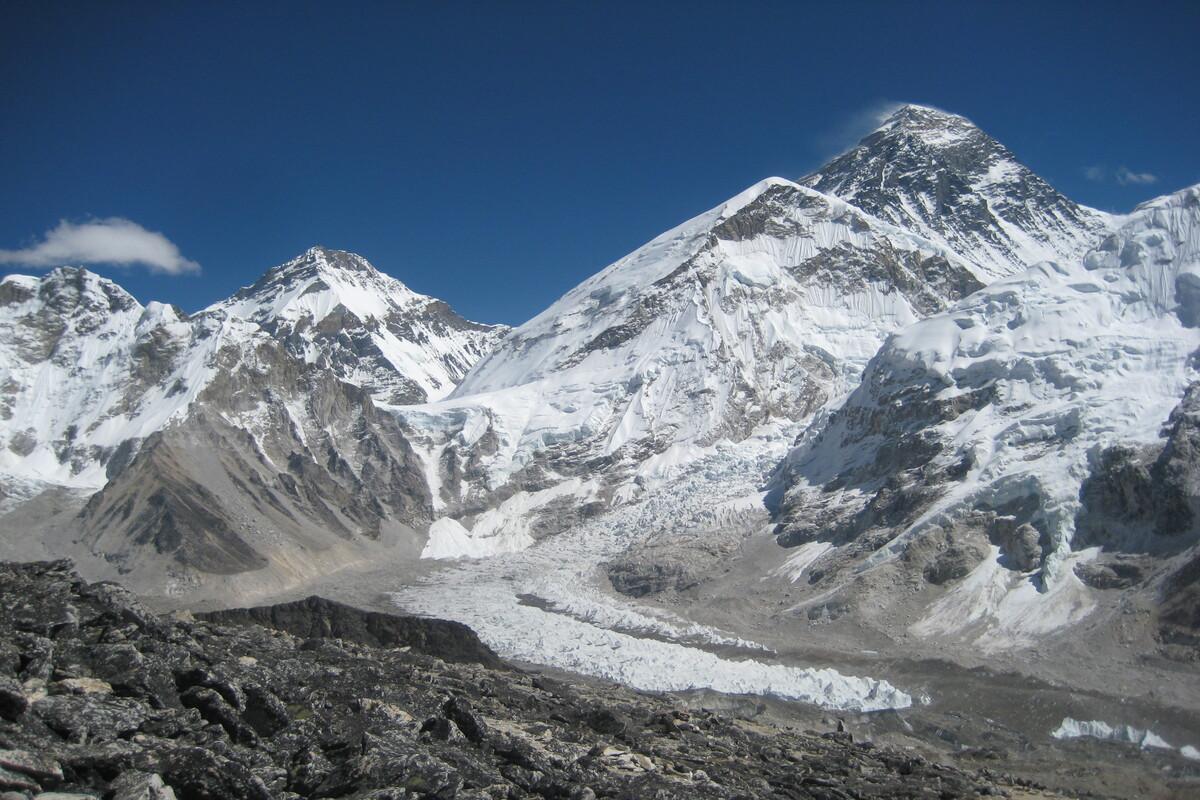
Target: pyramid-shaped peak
(928,124)
(324,268)
(324,258)
(938,175)
(916,115)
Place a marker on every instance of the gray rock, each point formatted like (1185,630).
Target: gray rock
(317,617)
(458,710)
(13,702)
(1023,549)
(337,721)
(135,785)
(952,564)
(17,781)
(213,707)
(38,766)
(83,718)
(1111,575)
(265,712)
(431,777)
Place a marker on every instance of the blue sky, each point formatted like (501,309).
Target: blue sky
(496,154)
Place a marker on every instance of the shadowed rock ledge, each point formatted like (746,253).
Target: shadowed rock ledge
(317,618)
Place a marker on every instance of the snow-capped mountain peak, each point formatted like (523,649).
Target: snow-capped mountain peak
(87,372)
(764,243)
(939,175)
(934,126)
(315,282)
(333,307)
(758,310)
(71,290)
(84,367)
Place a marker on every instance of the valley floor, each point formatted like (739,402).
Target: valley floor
(733,641)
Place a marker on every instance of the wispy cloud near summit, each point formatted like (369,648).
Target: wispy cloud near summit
(103,241)
(1126,176)
(1122,175)
(854,127)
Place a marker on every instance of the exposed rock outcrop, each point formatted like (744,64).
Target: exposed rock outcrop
(318,618)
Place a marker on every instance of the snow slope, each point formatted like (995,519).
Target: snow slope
(1001,406)
(764,307)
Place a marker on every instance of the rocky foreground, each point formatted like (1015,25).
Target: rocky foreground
(101,698)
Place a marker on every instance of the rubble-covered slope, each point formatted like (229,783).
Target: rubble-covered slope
(99,697)
(280,474)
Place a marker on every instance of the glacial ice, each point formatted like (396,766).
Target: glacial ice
(541,605)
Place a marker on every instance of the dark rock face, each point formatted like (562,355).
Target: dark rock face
(1021,546)
(940,176)
(318,618)
(1146,502)
(1179,613)
(117,703)
(1113,575)
(637,579)
(904,465)
(955,562)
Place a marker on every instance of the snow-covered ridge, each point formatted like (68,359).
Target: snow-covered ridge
(764,307)
(85,368)
(755,242)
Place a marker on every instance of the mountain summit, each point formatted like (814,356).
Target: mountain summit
(940,176)
(334,307)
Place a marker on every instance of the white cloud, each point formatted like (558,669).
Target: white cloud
(1122,175)
(103,241)
(1126,176)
